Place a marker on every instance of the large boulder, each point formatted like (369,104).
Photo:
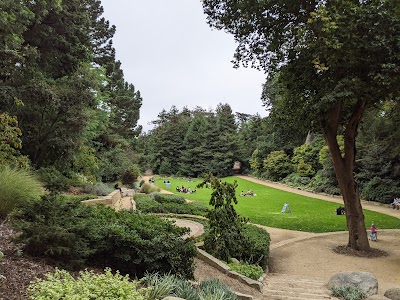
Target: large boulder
(393,294)
(365,281)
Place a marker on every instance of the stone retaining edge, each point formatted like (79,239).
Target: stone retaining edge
(225,269)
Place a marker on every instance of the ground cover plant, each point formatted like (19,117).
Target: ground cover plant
(249,270)
(62,285)
(74,235)
(308,214)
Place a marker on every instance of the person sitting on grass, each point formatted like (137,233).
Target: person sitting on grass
(242,194)
(250,193)
(396,203)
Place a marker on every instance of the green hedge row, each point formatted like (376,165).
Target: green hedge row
(153,204)
(74,235)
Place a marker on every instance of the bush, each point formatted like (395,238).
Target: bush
(73,234)
(296,180)
(256,248)
(348,293)
(251,271)
(53,180)
(381,190)
(161,285)
(148,188)
(61,285)
(168,285)
(130,176)
(99,189)
(166,198)
(56,228)
(16,186)
(322,184)
(147,204)
(277,165)
(215,290)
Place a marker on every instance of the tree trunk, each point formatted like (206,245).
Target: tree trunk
(344,166)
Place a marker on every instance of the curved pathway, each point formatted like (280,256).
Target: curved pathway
(301,263)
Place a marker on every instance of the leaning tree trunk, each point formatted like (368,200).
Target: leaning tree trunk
(344,167)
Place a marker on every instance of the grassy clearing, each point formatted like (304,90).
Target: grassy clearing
(308,214)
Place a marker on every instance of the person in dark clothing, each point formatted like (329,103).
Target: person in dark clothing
(116,186)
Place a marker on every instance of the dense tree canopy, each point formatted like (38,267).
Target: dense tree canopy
(327,62)
(59,77)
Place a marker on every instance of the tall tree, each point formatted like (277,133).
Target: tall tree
(331,60)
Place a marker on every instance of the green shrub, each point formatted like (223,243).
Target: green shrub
(72,234)
(147,204)
(141,183)
(185,290)
(256,247)
(130,176)
(277,165)
(166,198)
(348,293)
(148,188)
(381,190)
(99,189)
(251,271)
(324,184)
(56,228)
(161,286)
(169,285)
(16,186)
(53,180)
(225,239)
(296,180)
(77,198)
(61,285)
(214,290)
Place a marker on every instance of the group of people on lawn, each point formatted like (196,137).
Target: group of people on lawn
(185,190)
(249,193)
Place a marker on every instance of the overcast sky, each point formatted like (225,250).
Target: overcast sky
(173,57)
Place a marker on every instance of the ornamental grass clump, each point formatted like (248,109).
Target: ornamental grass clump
(16,186)
(348,293)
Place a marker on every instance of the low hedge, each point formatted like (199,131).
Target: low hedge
(256,250)
(167,198)
(148,204)
(73,235)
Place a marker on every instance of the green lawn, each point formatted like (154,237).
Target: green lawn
(308,214)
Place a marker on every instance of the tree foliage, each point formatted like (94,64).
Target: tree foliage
(328,63)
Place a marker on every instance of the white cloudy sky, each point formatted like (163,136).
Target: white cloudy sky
(173,57)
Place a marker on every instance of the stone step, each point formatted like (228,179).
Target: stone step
(294,287)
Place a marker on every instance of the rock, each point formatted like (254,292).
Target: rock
(393,294)
(3,280)
(235,261)
(365,281)
(173,298)
(1,256)
(377,297)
